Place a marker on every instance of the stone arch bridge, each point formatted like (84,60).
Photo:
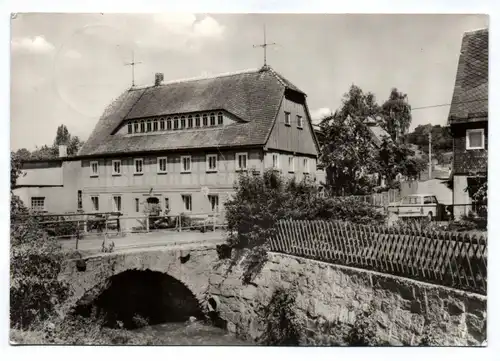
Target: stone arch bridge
(403,308)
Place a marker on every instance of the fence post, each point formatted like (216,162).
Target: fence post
(105,228)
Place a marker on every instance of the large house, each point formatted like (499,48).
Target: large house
(468,119)
(180,145)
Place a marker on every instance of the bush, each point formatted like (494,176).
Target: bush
(262,200)
(36,261)
(364,331)
(282,327)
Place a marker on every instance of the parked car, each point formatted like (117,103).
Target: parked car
(419,206)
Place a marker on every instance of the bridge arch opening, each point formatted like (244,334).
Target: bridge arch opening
(134,298)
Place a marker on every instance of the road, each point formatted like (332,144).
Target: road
(146,240)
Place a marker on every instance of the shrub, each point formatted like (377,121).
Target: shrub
(364,331)
(36,261)
(282,327)
(261,201)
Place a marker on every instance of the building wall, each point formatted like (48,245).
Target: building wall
(290,138)
(171,185)
(283,165)
(461,199)
(57,184)
(469,161)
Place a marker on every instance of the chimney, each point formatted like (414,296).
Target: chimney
(158,78)
(63,151)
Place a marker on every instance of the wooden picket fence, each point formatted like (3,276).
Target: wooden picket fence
(451,259)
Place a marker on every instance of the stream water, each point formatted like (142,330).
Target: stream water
(197,333)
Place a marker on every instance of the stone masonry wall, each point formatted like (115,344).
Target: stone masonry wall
(330,293)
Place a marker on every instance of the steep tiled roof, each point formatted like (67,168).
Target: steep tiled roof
(470,96)
(253,96)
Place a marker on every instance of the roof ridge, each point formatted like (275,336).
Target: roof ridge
(205,77)
(478,30)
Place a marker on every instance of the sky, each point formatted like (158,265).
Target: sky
(66,68)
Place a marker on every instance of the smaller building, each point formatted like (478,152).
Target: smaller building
(468,120)
(50,185)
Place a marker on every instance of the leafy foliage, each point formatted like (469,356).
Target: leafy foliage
(364,330)
(396,114)
(36,261)
(282,326)
(442,141)
(347,153)
(260,201)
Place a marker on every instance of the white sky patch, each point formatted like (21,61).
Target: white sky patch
(209,28)
(73,54)
(318,114)
(36,45)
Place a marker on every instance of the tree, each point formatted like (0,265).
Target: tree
(442,141)
(347,152)
(63,137)
(396,158)
(396,114)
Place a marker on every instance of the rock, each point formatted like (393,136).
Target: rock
(192,319)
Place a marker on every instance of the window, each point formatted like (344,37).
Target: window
(214,202)
(428,200)
(117,167)
(155,126)
(162,165)
(136,127)
(299,122)
(130,128)
(287,118)
(94,169)
(79,202)
(186,163)
(241,161)
(475,139)
(211,162)
(212,119)
(137,205)
(220,118)
(138,166)
(276,161)
(183,122)
(190,121)
(176,122)
(197,120)
(205,120)
(143,126)
(95,203)
(162,124)
(305,164)
(291,164)
(186,201)
(169,123)
(167,204)
(148,126)
(38,204)
(117,203)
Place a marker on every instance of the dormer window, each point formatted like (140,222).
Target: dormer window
(197,120)
(155,126)
(205,120)
(212,119)
(136,127)
(143,126)
(220,118)
(176,123)
(162,123)
(169,124)
(190,121)
(148,126)
(183,122)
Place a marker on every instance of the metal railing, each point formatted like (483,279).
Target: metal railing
(109,225)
